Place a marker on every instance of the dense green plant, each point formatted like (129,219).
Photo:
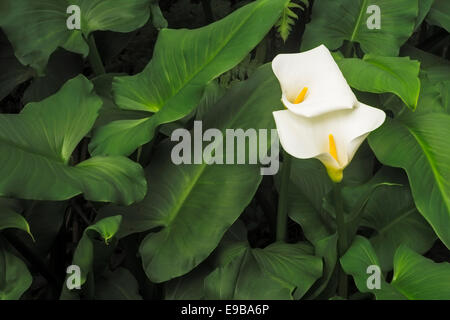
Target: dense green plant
(86,176)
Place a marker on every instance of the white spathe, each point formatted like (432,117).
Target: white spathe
(306,138)
(316,70)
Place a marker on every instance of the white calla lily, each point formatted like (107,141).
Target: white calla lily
(312,84)
(333,138)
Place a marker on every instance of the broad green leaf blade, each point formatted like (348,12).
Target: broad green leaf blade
(419,144)
(15,278)
(46,28)
(309,186)
(391,212)
(196,203)
(378,74)
(184,61)
(440,14)
(84,253)
(415,277)
(336,21)
(119,284)
(419,278)
(292,264)
(244,279)
(36,148)
(356,261)
(279,271)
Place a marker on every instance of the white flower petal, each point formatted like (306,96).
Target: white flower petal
(315,69)
(302,137)
(360,123)
(306,138)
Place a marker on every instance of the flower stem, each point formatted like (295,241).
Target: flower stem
(348,49)
(282,216)
(94,57)
(342,238)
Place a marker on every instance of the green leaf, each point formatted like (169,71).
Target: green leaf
(384,74)
(419,144)
(309,186)
(15,278)
(336,21)
(10,218)
(36,148)
(84,253)
(13,73)
(415,277)
(270,273)
(391,212)
(292,264)
(62,66)
(184,61)
(440,14)
(46,29)
(424,8)
(119,284)
(194,204)
(419,278)
(355,263)
(188,287)
(287,20)
(158,20)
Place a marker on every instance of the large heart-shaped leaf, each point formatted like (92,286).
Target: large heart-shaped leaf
(419,144)
(384,74)
(37,28)
(336,21)
(196,203)
(415,277)
(391,212)
(184,61)
(36,147)
(270,273)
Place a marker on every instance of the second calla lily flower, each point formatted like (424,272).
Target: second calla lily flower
(311,82)
(333,138)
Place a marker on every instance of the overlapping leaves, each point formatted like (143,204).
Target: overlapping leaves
(184,61)
(415,277)
(36,147)
(46,28)
(336,21)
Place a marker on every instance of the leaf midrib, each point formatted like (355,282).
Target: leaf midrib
(358,21)
(433,168)
(174,213)
(213,56)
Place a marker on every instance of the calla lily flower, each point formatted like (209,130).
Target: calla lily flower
(333,138)
(312,83)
